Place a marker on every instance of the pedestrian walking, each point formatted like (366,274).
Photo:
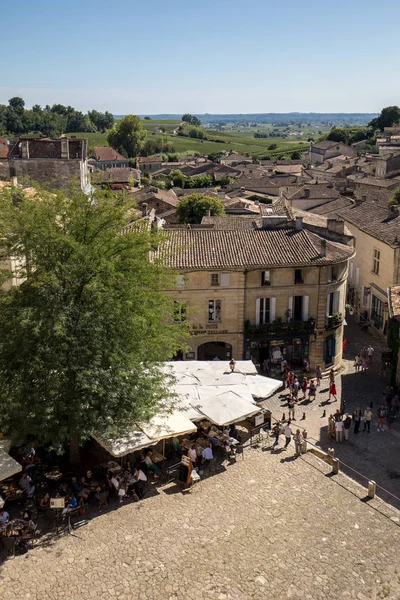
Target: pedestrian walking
(370,352)
(344,345)
(291,405)
(357,419)
(288,433)
(312,390)
(331,427)
(363,364)
(276,432)
(331,376)
(304,443)
(339,427)
(357,363)
(304,387)
(346,425)
(298,440)
(367,419)
(318,375)
(382,413)
(332,390)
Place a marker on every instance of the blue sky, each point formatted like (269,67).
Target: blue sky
(217,56)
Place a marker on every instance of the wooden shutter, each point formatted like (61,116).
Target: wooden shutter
(225,280)
(272,310)
(306,302)
(336,302)
(291,307)
(328,301)
(258,311)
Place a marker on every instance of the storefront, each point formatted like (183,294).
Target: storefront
(293,348)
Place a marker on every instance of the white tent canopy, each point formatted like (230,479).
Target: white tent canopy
(168,425)
(8,466)
(130,442)
(262,387)
(228,407)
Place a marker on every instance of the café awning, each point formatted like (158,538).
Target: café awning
(130,442)
(8,466)
(225,408)
(262,387)
(168,425)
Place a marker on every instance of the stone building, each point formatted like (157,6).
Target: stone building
(376,229)
(393,294)
(105,157)
(53,163)
(261,288)
(327,149)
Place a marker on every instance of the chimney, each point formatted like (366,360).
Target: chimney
(144,209)
(208,213)
(335,225)
(306,192)
(299,223)
(392,212)
(323,249)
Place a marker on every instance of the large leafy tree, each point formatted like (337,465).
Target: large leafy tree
(84,334)
(192,208)
(389,116)
(128,135)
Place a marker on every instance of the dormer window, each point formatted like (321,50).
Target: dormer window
(265,278)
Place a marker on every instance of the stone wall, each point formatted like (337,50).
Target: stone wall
(51,173)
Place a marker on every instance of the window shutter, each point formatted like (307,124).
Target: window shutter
(258,311)
(225,279)
(291,307)
(336,301)
(306,302)
(328,301)
(272,309)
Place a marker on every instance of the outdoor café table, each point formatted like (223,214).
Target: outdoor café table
(53,475)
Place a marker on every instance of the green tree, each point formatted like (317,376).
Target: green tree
(84,335)
(191,119)
(389,116)
(395,199)
(192,208)
(338,134)
(296,155)
(128,133)
(272,146)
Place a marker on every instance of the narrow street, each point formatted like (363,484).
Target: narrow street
(375,455)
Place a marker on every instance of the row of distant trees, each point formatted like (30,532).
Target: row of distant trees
(388,117)
(52,121)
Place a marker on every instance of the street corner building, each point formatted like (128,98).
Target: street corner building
(263,287)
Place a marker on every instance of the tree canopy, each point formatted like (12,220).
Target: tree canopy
(52,121)
(192,208)
(395,199)
(389,116)
(191,119)
(128,136)
(84,334)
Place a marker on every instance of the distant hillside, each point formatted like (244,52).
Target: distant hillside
(290,118)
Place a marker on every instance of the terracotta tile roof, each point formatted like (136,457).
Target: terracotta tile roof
(147,193)
(374,181)
(394,301)
(325,144)
(107,153)
(372,218)
(233,222)
(149,159)
(315,220)
(209,248)
(316,191)
(115,175)
(333,206)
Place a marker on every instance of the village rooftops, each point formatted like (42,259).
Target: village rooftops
(192,249)
(107,153)
(378,221)
(374,181)
(149,159)
(316,191)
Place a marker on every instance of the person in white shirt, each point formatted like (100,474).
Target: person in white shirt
(370,352)
(339,426)
(140,484)
(193,454)
(207,454)
(4,516)
(115,482)
(288,433)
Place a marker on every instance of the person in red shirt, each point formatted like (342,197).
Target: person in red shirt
(344,345)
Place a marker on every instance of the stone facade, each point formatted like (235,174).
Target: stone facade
(239,333)
(55,163)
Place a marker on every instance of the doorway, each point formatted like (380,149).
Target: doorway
(211,350)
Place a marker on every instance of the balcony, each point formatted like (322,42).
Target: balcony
(334,321)
(279,327)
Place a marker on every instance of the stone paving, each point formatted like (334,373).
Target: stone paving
(375,455)
(271,526)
